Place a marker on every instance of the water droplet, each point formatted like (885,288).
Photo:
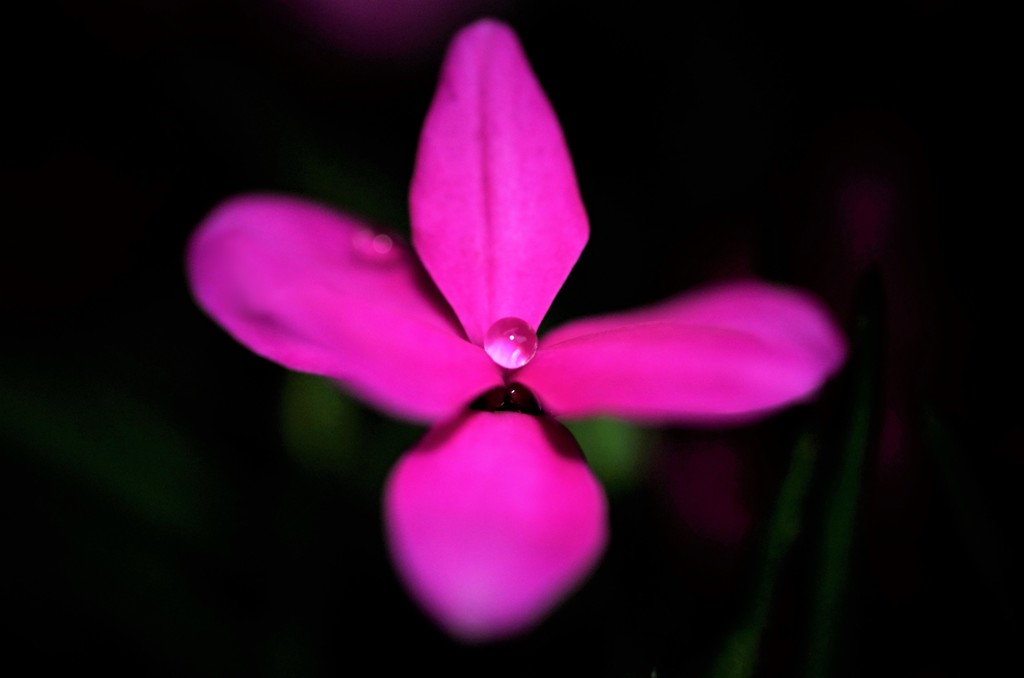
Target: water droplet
(374,246)
(511,343)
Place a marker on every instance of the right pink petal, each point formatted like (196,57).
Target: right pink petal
(728,353)
(309,288)
(493,520)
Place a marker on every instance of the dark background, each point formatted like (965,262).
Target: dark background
(174,505)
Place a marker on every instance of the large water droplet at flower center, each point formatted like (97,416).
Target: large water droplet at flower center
(511,343)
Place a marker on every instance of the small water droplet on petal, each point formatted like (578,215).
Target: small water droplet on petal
(511,343)
(374,247)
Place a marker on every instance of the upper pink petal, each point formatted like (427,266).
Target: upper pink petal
(492,520)
(314,291)
(496,213)
(732,352)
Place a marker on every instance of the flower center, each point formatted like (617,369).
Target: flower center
(511,343)
(512,398)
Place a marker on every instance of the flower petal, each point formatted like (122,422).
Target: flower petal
(492,520)
(729,353)
(496,213)
(319,292)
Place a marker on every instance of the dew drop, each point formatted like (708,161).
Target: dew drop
(374,247)
(511,343)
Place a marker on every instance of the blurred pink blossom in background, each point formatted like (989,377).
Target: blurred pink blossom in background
(706,481)
(494,517)
(387,29)
(870,197)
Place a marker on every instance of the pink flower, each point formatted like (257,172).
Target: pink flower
(494,517)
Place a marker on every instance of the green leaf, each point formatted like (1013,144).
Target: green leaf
(842,504)
(102,435)
(320,424)
(618,452)
(738,656)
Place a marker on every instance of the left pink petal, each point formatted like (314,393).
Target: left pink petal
(496,213)
(728,353)
(493,520)
(310,289)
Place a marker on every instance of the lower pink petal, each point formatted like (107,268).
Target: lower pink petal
(493,520)
(724,354)
(319,292)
